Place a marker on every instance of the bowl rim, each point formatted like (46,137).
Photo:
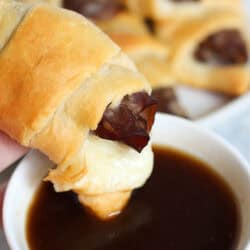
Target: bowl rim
(160,119)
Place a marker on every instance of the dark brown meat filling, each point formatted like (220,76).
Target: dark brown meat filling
(168,102)
(130,122)
(150,24)
(95,9)
(226,47)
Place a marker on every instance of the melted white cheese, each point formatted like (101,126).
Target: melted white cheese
(112,166)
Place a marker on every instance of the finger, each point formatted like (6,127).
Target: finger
(10,151)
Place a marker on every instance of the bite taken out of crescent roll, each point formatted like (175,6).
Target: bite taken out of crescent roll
(68,90)
(211,52)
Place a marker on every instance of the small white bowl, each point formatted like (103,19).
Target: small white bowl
(169,131)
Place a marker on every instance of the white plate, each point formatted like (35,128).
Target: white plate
(198,103)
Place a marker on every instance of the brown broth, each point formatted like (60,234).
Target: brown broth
(183,206)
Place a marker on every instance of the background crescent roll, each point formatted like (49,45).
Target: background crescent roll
(11,14)
(134,35)
(149,54)
(53,2)
(123,23)
(168,9)
(63,86)
(211,52)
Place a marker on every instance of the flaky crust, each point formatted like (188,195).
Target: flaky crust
(232,80)
(123,23)
(167,26)
(82,113)
(71,53)
(53,2)
(113,202)
(162,9)
(65,51)
(149,55)
(11,14)
(60,77)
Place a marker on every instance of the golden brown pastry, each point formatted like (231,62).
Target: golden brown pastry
(210,52)
(53,2)
(149,55)
(165,9)
(10,17)
(165,28)
(64,87)
(123,23)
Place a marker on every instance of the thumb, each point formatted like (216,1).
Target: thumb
(10,151)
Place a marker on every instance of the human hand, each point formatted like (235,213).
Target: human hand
(10,151)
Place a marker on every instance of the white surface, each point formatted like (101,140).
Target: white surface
(169,131)
(233,123)
(198,103)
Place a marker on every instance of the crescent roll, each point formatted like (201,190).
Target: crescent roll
(123,23)
(149,54)
(96,9)
(210,52)
(53,2)
(165,9)
(68,90)
(151,58)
